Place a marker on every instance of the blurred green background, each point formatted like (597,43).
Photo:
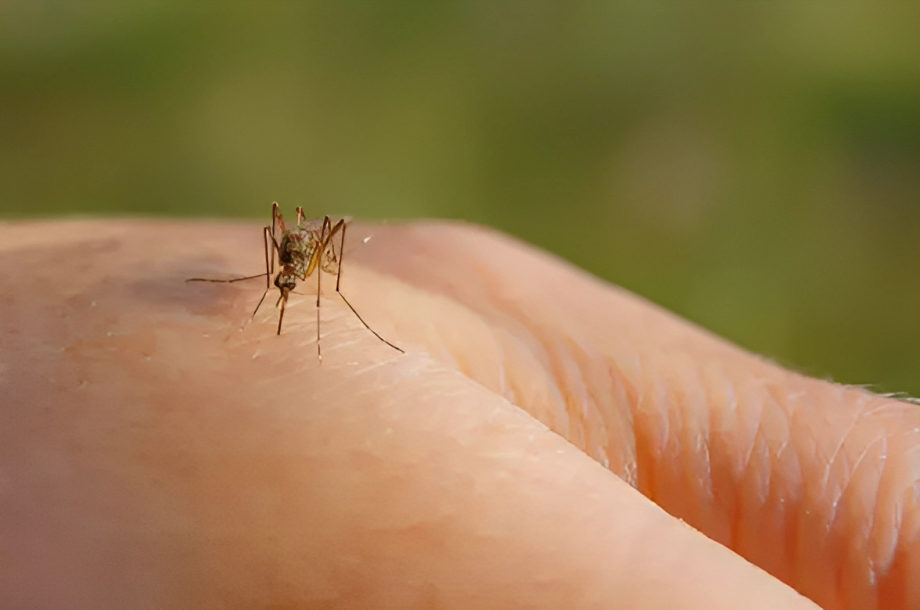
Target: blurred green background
(754,167)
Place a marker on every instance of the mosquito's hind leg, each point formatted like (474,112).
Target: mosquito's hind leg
(340,225)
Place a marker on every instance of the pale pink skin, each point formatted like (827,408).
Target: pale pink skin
(153,455)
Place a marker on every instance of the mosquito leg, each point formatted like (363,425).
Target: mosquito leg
(319,280)
(258,305)
(338,279)
(338,276)
(318,252)
(277,222)
(230,281)
(268,269)
(268,233)
(334,228)
(277,218)
(376,334)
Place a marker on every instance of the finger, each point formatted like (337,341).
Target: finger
(151,451)
(818,483)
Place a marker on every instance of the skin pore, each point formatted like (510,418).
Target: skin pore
(546,441)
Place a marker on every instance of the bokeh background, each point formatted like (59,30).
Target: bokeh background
(754,167)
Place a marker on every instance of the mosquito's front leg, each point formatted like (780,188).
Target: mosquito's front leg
(230,281)
(267,274)
(269,267)
(276,250)
(269,257)
(270,254)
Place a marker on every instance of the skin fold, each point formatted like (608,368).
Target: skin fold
(546,441)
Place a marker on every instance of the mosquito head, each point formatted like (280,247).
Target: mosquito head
(285,282)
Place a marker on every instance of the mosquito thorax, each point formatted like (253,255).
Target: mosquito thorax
(296,248)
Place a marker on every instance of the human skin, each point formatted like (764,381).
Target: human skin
(538,445)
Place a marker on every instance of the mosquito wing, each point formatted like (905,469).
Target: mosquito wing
(315,225)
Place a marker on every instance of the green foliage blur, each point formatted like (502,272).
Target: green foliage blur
(752,166)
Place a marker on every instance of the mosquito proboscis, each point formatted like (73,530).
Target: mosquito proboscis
(303,250)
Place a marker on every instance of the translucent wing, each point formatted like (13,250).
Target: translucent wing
(315,225)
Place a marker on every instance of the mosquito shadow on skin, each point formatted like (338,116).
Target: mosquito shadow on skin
(171,291)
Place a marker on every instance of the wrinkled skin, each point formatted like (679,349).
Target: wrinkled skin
(154,455)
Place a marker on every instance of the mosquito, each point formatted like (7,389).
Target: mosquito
(301,251)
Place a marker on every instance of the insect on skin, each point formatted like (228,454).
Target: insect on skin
(303,250)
